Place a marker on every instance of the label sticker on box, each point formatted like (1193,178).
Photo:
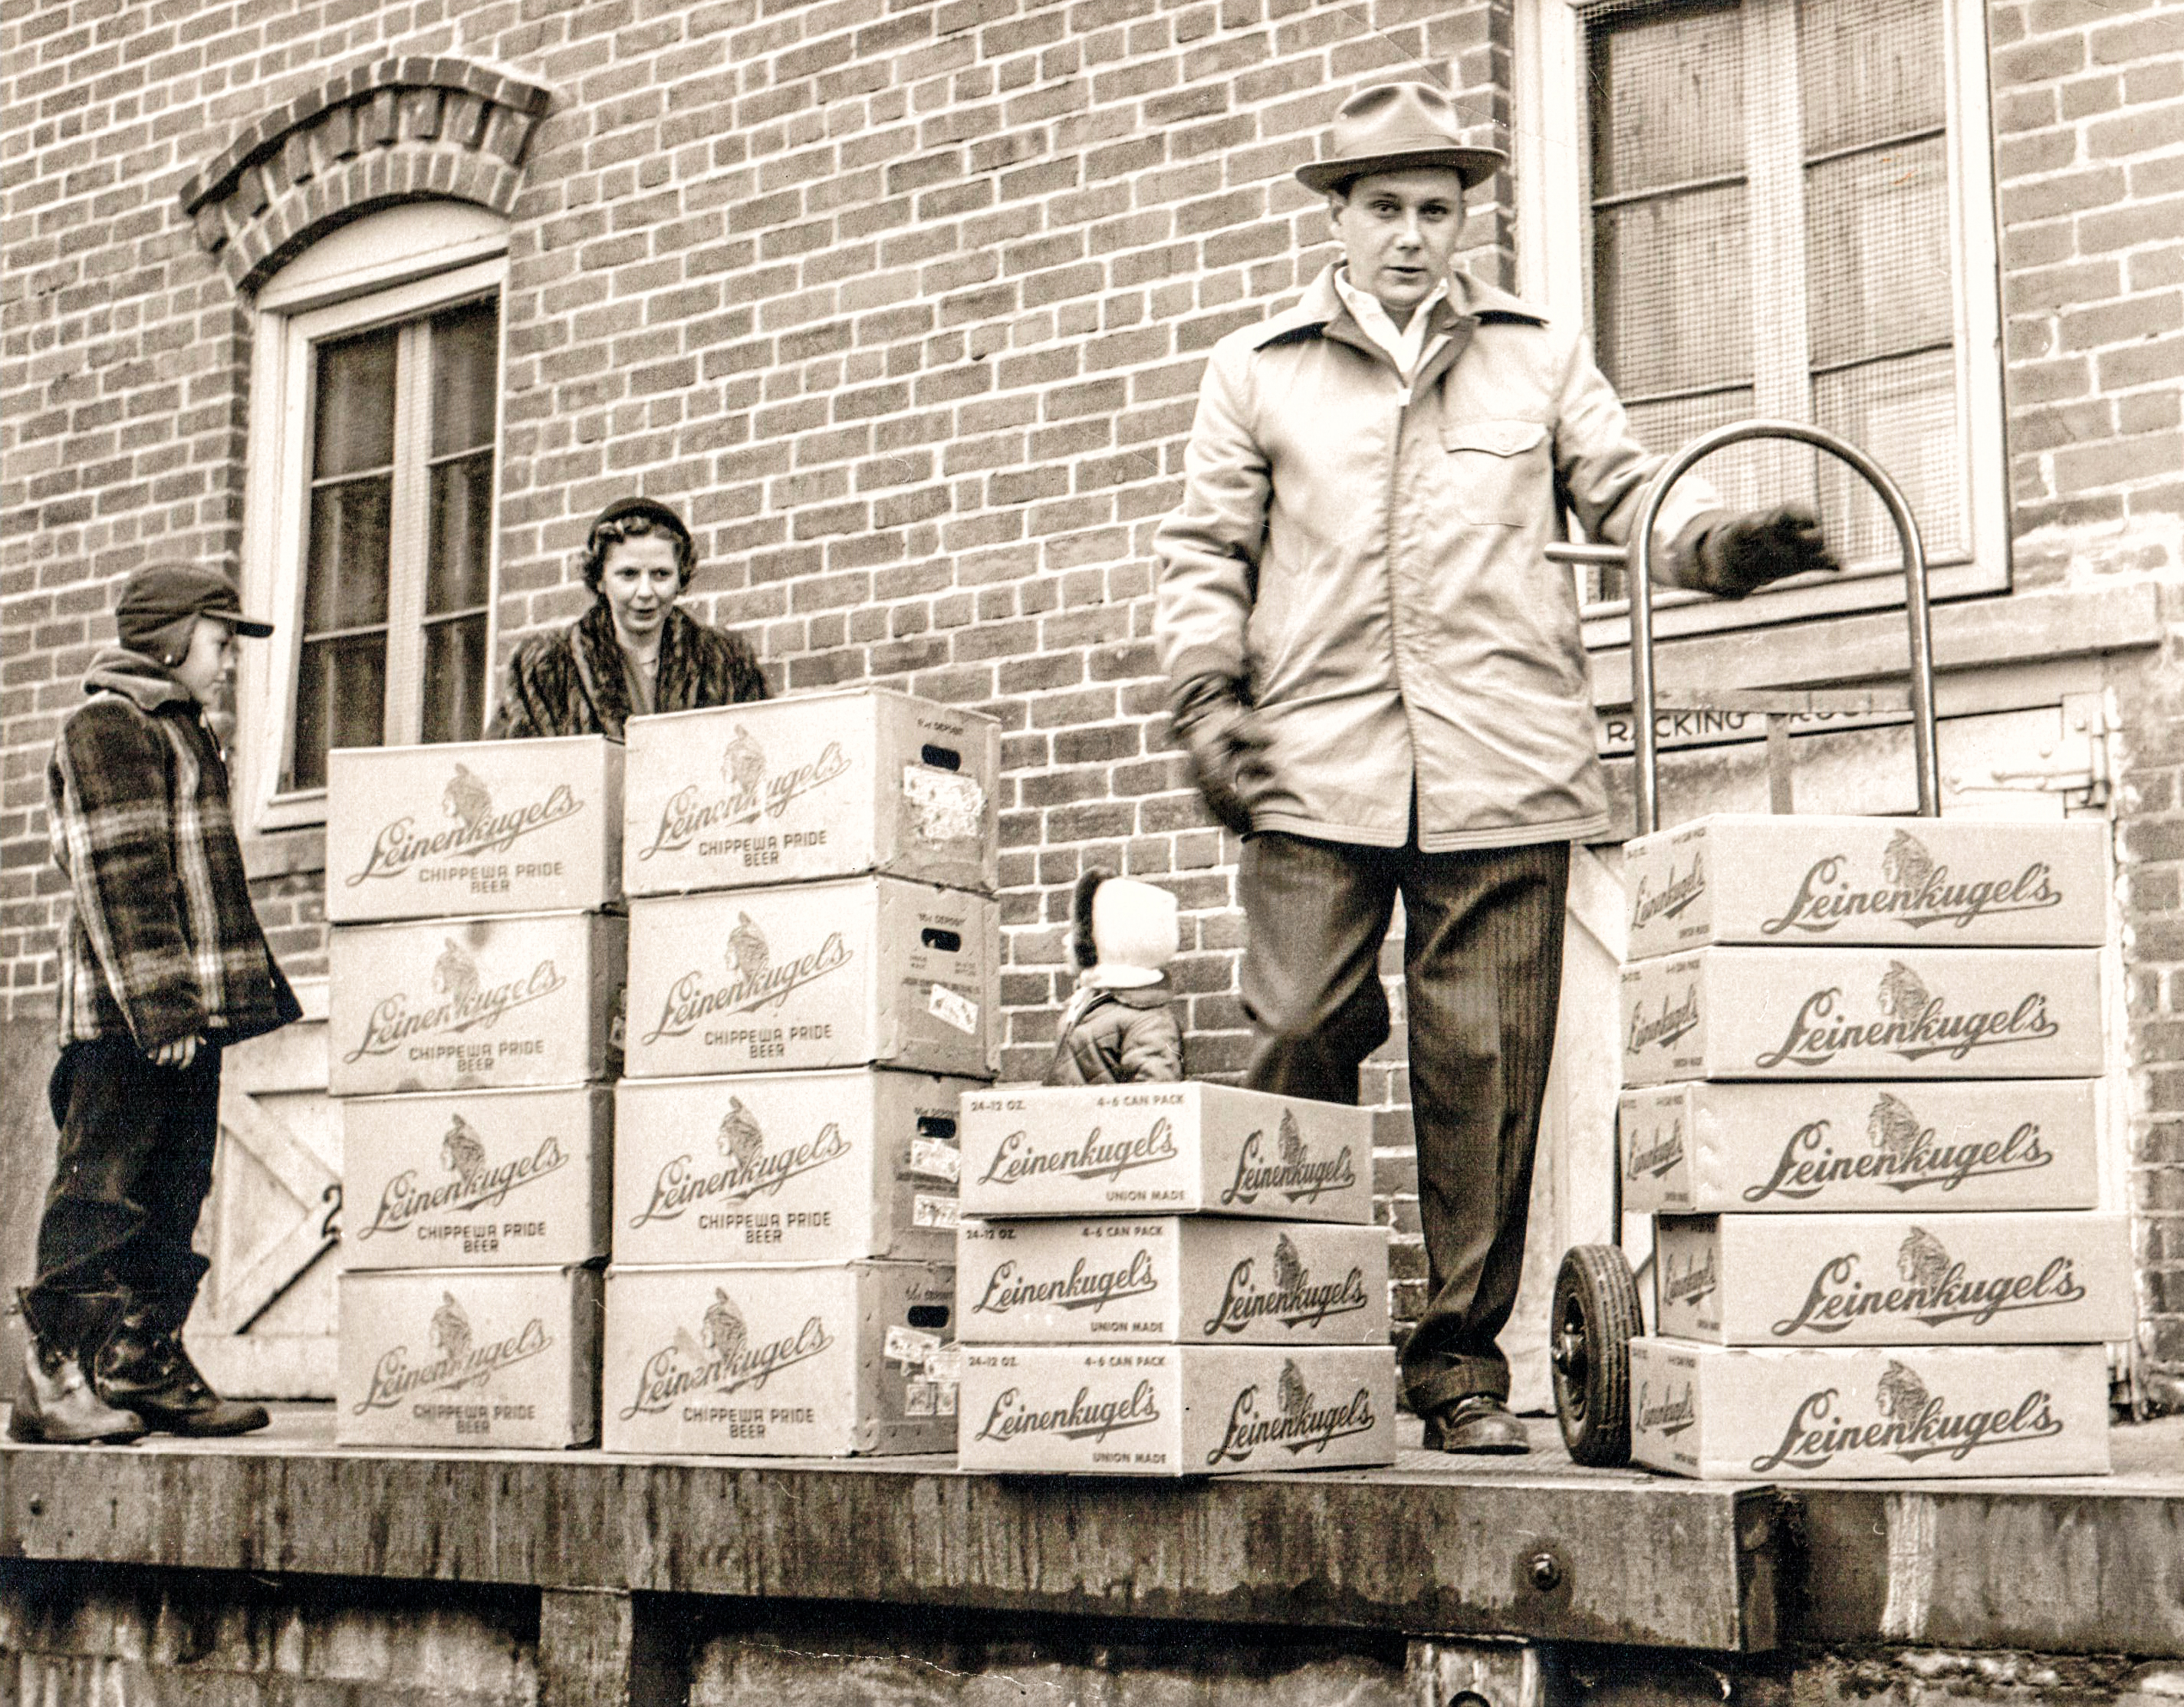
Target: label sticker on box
(951,1009)
(919,1397)
(936,1160)
(945,806)
(912,1346)
(928,1210)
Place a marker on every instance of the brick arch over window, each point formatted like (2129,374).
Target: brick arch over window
(401,130)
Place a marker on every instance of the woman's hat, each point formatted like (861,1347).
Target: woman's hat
(1393,127)
(651,508)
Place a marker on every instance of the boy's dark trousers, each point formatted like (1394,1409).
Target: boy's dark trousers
(135,1163)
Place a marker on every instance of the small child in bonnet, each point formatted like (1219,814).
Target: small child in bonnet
(1118,1027)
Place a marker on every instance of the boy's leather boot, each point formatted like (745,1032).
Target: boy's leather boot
(57,1404)
(142,1366)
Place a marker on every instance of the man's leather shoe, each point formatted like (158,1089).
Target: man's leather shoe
(1478,1423)
(144,1368)
(56,1403)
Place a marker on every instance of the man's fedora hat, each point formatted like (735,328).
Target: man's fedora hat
(1393,127)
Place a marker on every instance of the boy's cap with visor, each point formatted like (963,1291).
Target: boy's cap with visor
(1396,127)
(157,597)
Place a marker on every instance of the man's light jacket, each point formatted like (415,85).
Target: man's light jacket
(1368,557)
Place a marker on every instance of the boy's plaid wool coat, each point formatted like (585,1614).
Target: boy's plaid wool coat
(162,942)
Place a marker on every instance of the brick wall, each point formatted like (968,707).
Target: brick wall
(2089,121)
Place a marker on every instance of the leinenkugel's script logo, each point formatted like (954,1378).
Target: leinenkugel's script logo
(1915,1424)
(1094,1157)
(464,1001)
(1671,1022)
(1938,1288)
(749,793)
(458,1360)
(1658,1157)
(477,1183)
(1293,1300)
(1293,1175)
(1672,897)
(1082,1418)
(752,1171)
(755,980)
(477,828)
(1298,1424)
(1693,1281)
(1918,1024)
(1085,1287)
(1903,1155)
(1672,1416)
(1913,890)
(720,1358)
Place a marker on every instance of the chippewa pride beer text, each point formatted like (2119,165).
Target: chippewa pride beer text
(393,1021)
(681,1186)
(1085,1287)
(690,1001)
(691,811)
(1298,1425)
(1093,1157)
(1809,1164)
(1298,1303)
(1913,1030)
(398,849)
(671,1373)
(1824,900)
(1939,1290)
(404,1202)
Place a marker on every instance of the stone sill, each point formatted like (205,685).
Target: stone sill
(1429,1547)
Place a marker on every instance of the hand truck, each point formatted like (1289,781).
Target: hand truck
(1596,1311)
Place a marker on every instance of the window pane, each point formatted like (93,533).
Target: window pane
(462,509)
(341,691)
(345,576)
(355,425)
(1877,251)
(1667,98)
(455,680)
(1870,70)
(466,377)
(1673,311)
(1904,415)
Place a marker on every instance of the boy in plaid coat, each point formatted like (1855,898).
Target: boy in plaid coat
(162,964)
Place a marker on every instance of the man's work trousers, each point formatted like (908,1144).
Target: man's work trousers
(135,1163)
(1482,977)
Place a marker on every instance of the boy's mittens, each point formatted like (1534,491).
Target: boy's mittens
(1736,555)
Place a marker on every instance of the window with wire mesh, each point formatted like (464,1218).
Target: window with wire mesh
(397,542)
(1770,236)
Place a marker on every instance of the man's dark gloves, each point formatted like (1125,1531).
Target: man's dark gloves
(1732,556)
(1226,747)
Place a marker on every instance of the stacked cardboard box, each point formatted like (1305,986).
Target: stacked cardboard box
(1170,1279)
(474,1018)
(812,974)
(1861,1056)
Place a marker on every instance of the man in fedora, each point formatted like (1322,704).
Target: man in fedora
(1381,684)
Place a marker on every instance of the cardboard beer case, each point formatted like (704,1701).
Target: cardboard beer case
(787,1168)
(477,1179)
(1176,1410)
(815,786)
(1751,877)
(1174,1279)
(1863,1014)
(467,1358)
(1846,1145)
(474,1004)
(1997,1279)
(802,1362)
(473,826)
(866,970)
(1165,1150)
(1869,1413)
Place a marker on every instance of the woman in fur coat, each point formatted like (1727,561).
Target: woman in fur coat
(632,652)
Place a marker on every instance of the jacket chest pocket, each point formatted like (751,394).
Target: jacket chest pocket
(1498,470)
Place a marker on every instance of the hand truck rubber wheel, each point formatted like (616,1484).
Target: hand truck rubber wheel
(1596,1315)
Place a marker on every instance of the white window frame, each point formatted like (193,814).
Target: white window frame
(399,264)
(1554,252)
